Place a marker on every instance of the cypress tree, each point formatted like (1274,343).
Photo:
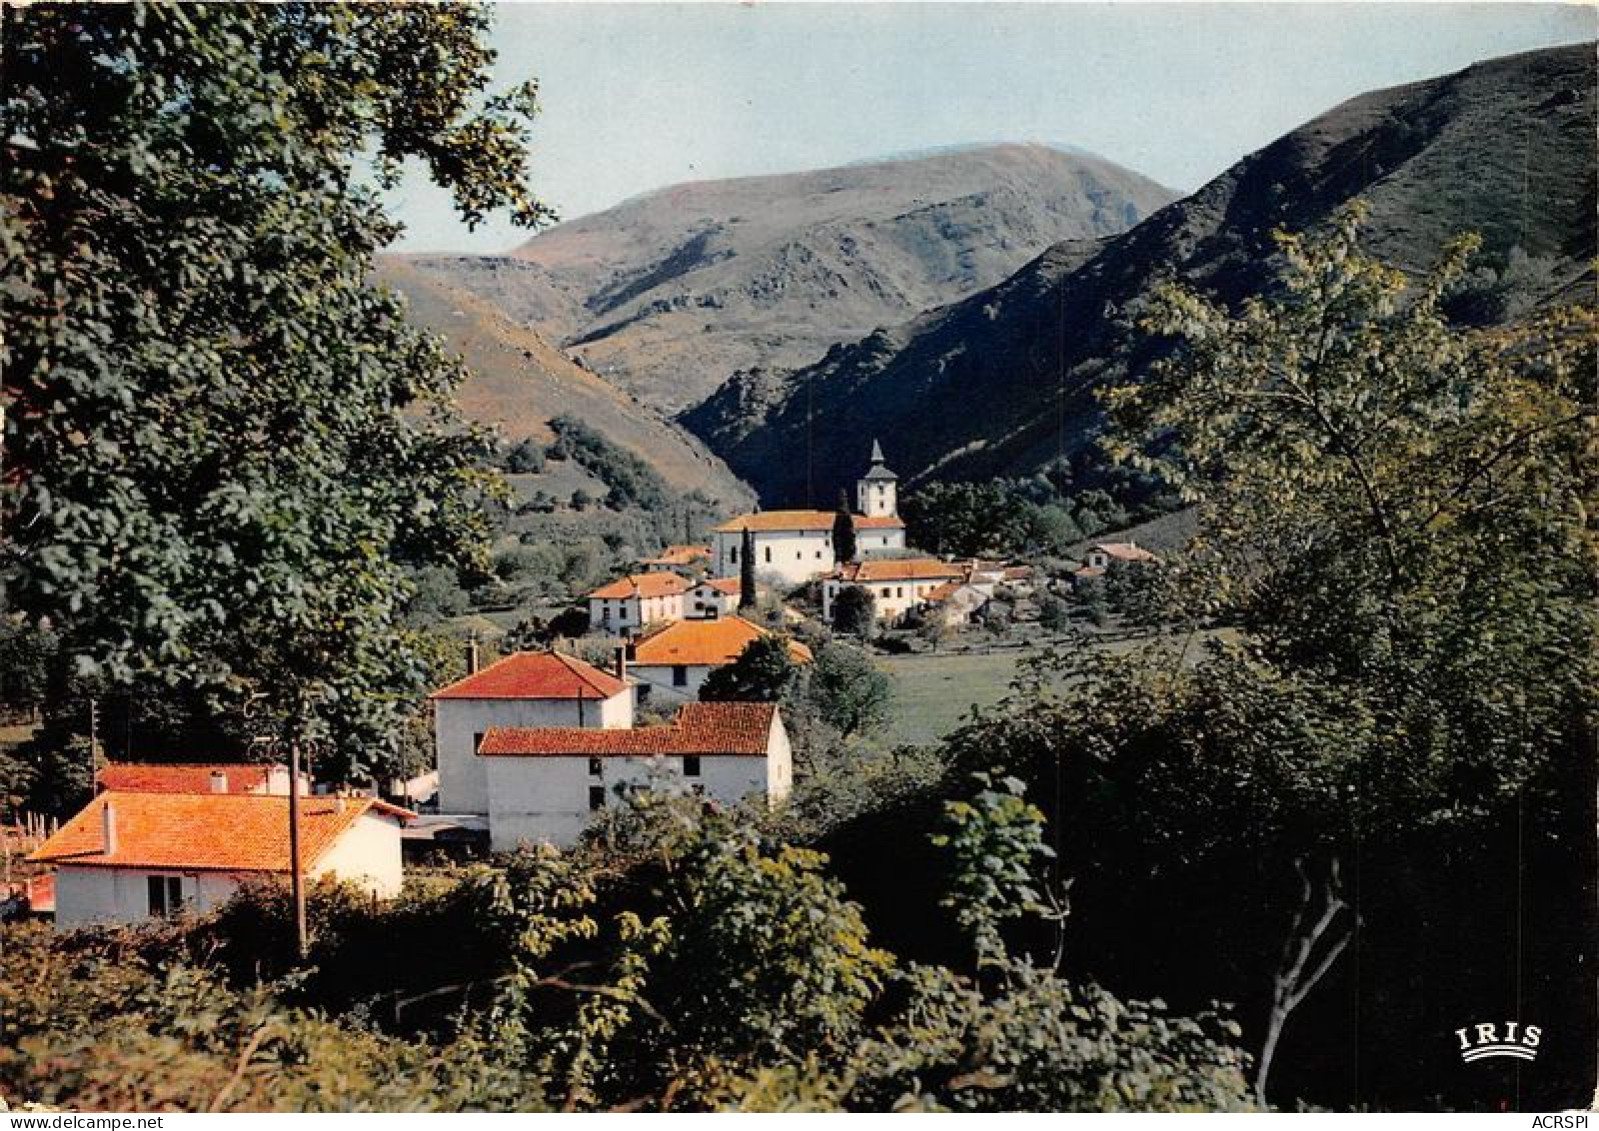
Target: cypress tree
(746,571)
(844,547)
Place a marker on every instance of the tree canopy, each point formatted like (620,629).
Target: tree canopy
(222,440)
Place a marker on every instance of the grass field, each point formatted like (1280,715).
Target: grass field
(936,692)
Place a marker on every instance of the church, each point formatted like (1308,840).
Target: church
(797,545)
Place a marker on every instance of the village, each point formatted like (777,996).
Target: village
(531,745)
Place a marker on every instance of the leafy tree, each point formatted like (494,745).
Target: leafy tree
(848,691)
(1054,613)
(747,591)
(221,439)
(524,457)
(855,612)
(844,547)
(763,673)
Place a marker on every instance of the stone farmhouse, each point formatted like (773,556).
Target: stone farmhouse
(797,545)
(545,784)
(671,663)
(1101,555)
(132,856)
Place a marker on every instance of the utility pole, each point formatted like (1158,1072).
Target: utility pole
(296,878)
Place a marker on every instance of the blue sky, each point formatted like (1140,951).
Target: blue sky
(637,96)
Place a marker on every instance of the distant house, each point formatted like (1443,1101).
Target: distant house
(198,777)
(678,557)
(629,603)
(897,585)
(1101,555)
(713,597)
(797,545)
(955,603)
(128,857)
(527,689)
(671,663)
(545,784)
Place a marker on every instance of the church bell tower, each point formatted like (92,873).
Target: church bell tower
(877,492)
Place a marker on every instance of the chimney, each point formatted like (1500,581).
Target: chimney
(472,658)
(219,781)
(108,826)
(620,664)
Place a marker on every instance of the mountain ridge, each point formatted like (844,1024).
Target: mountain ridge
(1001,382)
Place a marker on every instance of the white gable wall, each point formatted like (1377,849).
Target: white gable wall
(367,855)
(463,784)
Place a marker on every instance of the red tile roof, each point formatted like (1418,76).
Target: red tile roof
(536,675)
(699,728)
(706,643)
(803,520)
(186,777)
(899,569)
(228,832)
(656,584)
(732,586)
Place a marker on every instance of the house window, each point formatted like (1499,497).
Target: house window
(900,591)
(732,554)
(679,675)
(477,741)
(691,765)
(596,767)
(644,693)
(596,797)
(799,555)
(166,896)
(768,553)
(818,555)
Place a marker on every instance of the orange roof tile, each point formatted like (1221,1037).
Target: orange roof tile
(655,584)
(229,832)
(185,777)
(1124,551)
(536,675)
(706,642)
(803,520)
(732,586)
(699,728)
(899,569)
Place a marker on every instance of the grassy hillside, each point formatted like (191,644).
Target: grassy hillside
(520,382)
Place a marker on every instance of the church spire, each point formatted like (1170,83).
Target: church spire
(877,452)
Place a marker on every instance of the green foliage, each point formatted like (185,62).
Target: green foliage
(855,612)
(996,842)
(763,673)
(1041,1044)
(95,1023)
(524,458)
(221,439)
(848,691)
(632,482)
(769,960)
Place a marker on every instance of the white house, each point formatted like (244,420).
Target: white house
(897,585)
(526,689)
(1101,555)
(129,857)
(546,783)
(199,777)
(797,545)
(713,597)
(629,603)
(670,664)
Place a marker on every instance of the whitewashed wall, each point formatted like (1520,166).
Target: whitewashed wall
(463,784)
(892,599)
(658,678)
(793,555)
(86,896)
(367,855)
